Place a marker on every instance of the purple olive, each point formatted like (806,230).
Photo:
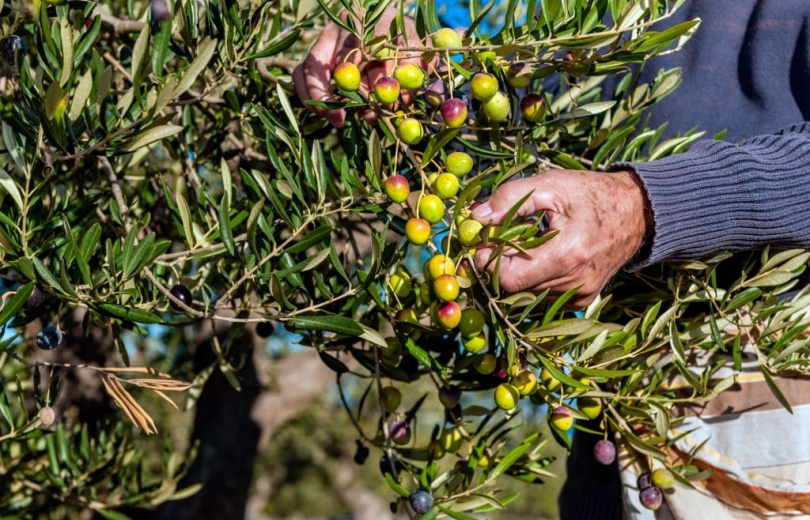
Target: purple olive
(604,452)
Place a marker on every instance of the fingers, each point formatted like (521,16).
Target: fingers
(312,78)
(520,272)
(507,195)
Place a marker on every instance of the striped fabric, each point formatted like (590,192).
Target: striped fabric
(760,454)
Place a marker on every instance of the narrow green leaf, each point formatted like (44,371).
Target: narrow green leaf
(285,104)
(90,241)
(81,95)
(454,514)
(225,227)
(16,303)
(775,389)
(67,50)
(312,238)
(160,48)
(185,217)
(5,407)
(395,486)
(333,363)
(151,135)
(668,36)
(127,313)
(742,298)
(336,324)
(109,514)
(277,47)
(437,142)
(139,255)
(205,51)
(558,304)
(510,458)
(588,110)
(52,98)
(45,275)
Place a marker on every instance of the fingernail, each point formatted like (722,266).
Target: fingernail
(482,211)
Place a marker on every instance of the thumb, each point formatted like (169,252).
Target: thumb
(506,196)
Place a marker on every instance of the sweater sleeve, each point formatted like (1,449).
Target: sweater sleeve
(723,197)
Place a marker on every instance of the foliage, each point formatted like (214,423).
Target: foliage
(140,155)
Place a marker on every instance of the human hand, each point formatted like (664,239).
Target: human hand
(313,77)
(602,223)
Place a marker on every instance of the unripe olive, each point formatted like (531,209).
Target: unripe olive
(497,108)
(451,440)
(590,407)
(431,208)
(391,398)
(519,74)
(485,364)
(472,322)
(397,188)
(469,232)
(409,76)
(562,418)
(448,314)
(405,316)
(475,344)
(435,450)
(662,478)
(401,284)
(446,186)
(410,130)
(549,381)
(426,293)
(417,231)
(525,382)
(444,38)
(347,76)
(533,107)
(506,396)
(483,86)
(394,349)
(446,288)
(459,163)
(387,89)
(438,265)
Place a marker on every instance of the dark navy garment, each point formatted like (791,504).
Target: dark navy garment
(746,69)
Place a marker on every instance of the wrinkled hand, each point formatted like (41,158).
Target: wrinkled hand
(313,77)
(602,223)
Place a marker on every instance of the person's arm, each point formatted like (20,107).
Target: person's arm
(722,197)
(714,197)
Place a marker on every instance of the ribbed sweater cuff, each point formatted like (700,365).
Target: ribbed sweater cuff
(722,197)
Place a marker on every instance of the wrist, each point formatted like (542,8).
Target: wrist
(638,204)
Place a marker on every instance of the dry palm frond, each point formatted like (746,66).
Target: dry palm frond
(115,388)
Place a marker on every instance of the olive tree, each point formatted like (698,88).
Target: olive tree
(159,173)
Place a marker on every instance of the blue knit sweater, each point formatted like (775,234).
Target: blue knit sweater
(747,71)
